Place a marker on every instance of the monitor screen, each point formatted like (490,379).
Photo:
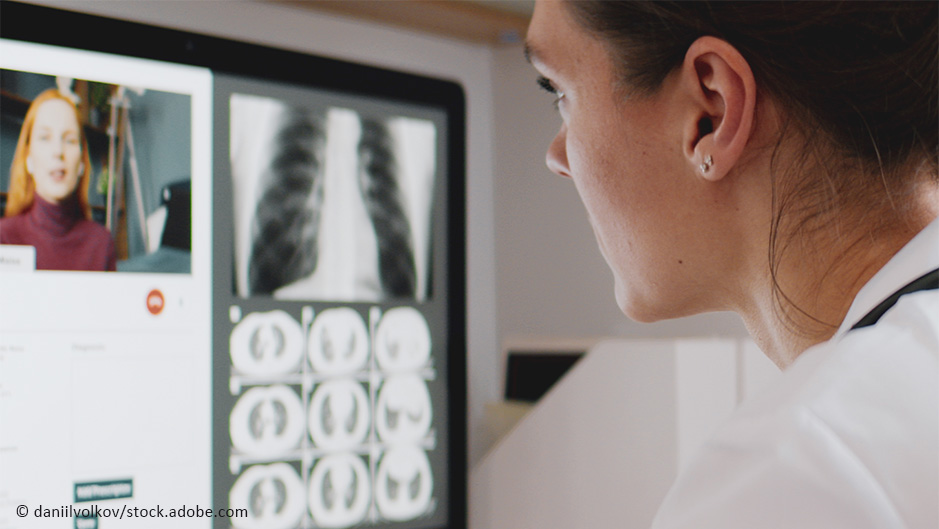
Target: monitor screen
(231,284)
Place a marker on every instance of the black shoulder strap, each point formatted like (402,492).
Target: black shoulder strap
(929,281)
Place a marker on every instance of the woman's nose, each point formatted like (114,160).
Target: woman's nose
(556,157)
(58,148)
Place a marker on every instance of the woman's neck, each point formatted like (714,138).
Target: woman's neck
(56,218)
(821,271)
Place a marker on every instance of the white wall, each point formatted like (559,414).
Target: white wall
(603,447)
(598,451)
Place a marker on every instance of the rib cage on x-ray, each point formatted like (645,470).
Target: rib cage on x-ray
(287,218)
(371,170)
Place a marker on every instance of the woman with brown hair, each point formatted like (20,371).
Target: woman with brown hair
(778,160)
(47,205)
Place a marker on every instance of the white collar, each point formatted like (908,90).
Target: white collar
(918,257)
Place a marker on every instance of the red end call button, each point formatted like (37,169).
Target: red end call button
(155,302)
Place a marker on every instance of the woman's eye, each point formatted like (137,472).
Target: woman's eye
(545,84)
(549,87)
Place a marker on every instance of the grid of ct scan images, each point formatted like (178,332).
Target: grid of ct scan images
(332,421)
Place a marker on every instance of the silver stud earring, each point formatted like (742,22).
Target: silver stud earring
(706,165)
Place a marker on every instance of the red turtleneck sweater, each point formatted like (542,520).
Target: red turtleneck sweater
(63,238)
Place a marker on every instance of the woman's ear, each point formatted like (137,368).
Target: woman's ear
(722,93)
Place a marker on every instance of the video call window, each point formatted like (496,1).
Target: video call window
(96,176)
(105,378)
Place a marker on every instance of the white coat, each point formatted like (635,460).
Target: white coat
(848,438)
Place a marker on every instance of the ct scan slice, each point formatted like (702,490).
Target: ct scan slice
(404,484)
(404,412)
(339,415)
(266,344)
(273,495)
(340,491)
(338,342)
(402,341)
(267,421)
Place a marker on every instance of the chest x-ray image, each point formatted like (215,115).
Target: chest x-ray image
(330,204)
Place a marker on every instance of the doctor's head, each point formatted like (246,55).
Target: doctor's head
(706,139)
(51,159)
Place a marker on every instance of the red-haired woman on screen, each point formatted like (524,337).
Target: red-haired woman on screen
(47,205)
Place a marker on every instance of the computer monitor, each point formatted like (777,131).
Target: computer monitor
(231,284)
